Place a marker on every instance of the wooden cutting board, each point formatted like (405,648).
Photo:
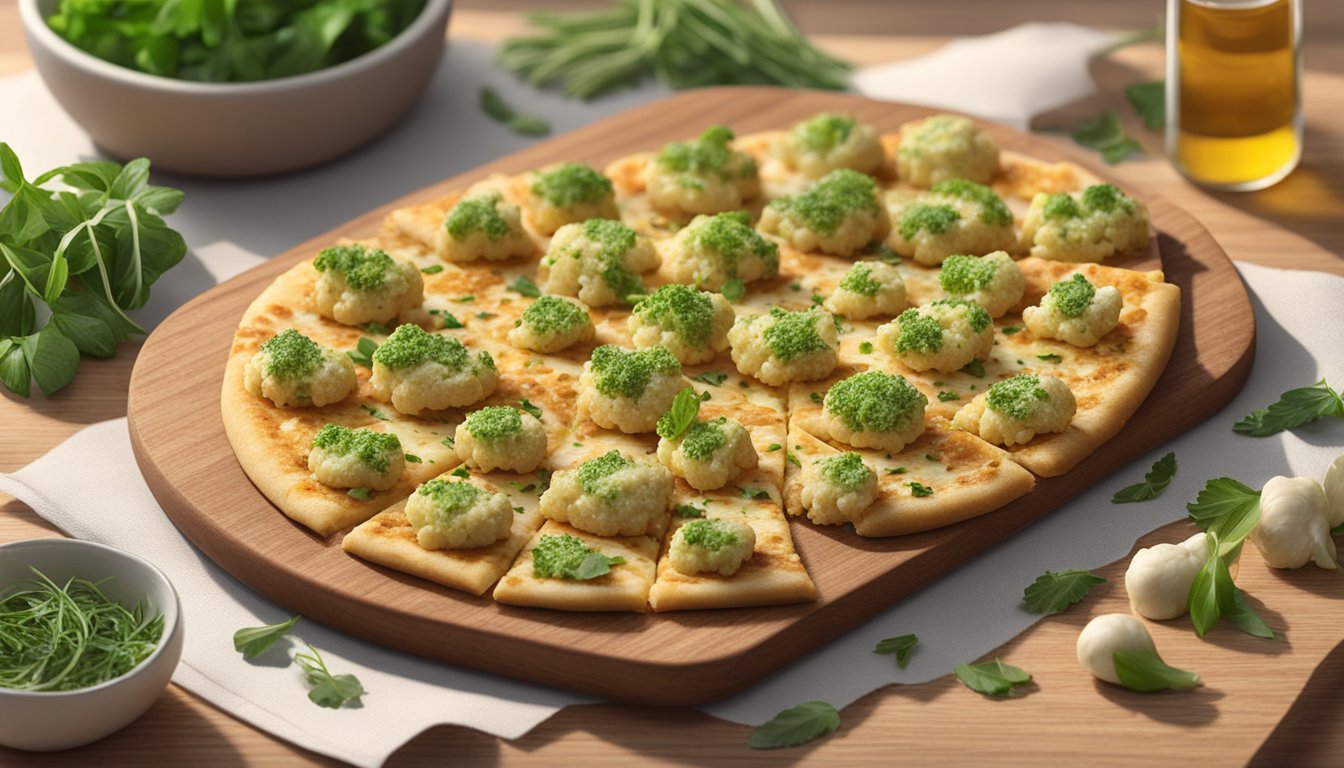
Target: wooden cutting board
(680,658)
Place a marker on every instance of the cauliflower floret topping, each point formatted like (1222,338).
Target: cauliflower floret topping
(599,261)
(292,369)
(709,454)
(869,288)
(570,192)
(1015,410)
(839,214)
(995,282)
(356,458)
(1089,226)
(551,324)
(944,335)
(629,390)
(611,495)
(828,141)
(361,285)
(565,556)
(714,250)
(455,514)
(691,324)
(704,175)
(945,147)
(418,370)
(483,227)
(838,488)
(714,545)
(875,410)
(956,216)
(785,346)
(1076,311)
(499,437)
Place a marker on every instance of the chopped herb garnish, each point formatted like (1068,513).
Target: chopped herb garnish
(919,489)
(525,286)
(432,269)
(363,494)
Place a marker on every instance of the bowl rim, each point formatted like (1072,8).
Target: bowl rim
(171,622)
(35,25)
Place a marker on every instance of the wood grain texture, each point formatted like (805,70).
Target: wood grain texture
(683,659)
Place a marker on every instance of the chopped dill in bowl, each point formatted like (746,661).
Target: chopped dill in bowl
(68,637)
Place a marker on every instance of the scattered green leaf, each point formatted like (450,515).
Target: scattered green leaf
(919,489)
(1106,135)
(525,125)
(363,494)
(1145,672)
(901,645)
(1054,591)
(1150,101)
(992,678)
(526,287)
(1154,483)
(326,689)
(432,269)
(1293,409)
(254,641)
(797,725)
(734,290)
(363,354)
(680,417)
(529,408)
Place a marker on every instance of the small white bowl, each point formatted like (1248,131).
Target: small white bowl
(39,720)
(238,129)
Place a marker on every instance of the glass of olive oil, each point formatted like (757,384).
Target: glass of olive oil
(1234,101)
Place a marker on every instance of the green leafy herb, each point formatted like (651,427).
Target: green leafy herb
(773,447)
(690,510)
(377,328)
(254,641)
(992,678)
(1009,330)
(565,556)
(525,287)
(86,253)
(814,397)
(363,354)
(1293,409)
(373,411)
(326,689)
(1150,101)
(1226,508)
(945,396)
(792,459)
(680,417)
(465,299)
(901,645)
(895,470)
(866,347)
(528,407)
(796,725)
(974,368)
(449,441)
(1154,483)
(683,44)
(919,489)
(363,494)
(1145,672)
(734,290)
(1106,135)
(461,471)
(1051,358)
(526,125)
(432,269)
(1214,595)
(753,493)
(413,459)
(1054,591)
(712,378)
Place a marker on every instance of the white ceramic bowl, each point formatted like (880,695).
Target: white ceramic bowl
(37,720)
(238,129)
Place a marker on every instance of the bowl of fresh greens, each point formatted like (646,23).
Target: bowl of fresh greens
(232,89)
(89,638)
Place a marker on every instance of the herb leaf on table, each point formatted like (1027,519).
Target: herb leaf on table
(1154,483)
(525,125)
(326,689)
(992,678)
(1150,101)
(1145,672)
(902,646)
(796,725)
(1293,409)
(1054,591)
(254,641)
(1107,136)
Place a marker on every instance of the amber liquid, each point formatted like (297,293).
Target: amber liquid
(1236,113)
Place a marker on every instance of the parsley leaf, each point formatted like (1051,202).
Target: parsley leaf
(363,494)
(1150,101)
(945,396)
(378,328)
(1227,509)
(1106,135)
(327,690)
(363,354)
(450,441)
(680,417)
(1213,595)
(771,448)
(373,411)
(1145,672)
(734,290)
(449,319)
(1053,591)
(792,459)
(712,378)
(753,493)
(895,470)
(796,725)
(595,564)
(901,645)
(992,678)
(528,407)
(525,287)
(1009,330)
(1154,483)
(975,368)
(432,269)
(254,641)
(1051,358)
(919,489)
(526,125)
(412,458)
(461,471)
(690,510)
(1293,409)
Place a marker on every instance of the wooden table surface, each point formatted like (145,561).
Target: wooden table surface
(1262,703)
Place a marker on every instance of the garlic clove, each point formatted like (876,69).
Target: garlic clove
(1106,634)
(1334,493)
(1293,527)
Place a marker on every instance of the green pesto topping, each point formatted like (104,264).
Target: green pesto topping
(364,269)
(961,275)
(477,214)
(976,314)
(411,345)
(451,497)
(934,219)
(919,333)
(704,438)
(1061,205)
(708,533)
(559,556)
(613,239)
(618,373)
(823,132)
(859,279)
(292,355)
(824,207)
(1073,296)
(570,184)
(992,209)
(494,423)
(874,401)
(552,314)
(374,449)
(595,475)
(1017,397)
(1106,198)
(730,237)
(708,154)
(680,309)
(791,335)
(846,471)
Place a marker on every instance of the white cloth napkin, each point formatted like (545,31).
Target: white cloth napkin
(108,501)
